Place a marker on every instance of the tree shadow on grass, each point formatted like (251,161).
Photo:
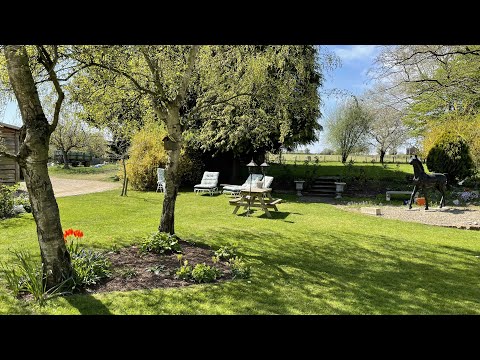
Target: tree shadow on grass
(281,215)
(378,275)
(87,304)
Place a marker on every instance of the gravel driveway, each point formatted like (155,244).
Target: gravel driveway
(69,187)
(449,216)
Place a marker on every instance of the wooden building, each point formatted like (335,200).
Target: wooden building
(9,169)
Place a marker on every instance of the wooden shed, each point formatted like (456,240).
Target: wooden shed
(9,169)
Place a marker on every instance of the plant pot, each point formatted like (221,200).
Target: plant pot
(299,186)
(339,187)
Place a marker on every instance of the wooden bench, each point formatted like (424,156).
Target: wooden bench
(391,192)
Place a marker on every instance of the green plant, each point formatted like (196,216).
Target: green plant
(89,267)
(203,273)
(451,155)
(26,276)
(184,272)
(161,243)
(7,200)
(157,269)
(240,269)
(147,153)
(226,252)
(24,201)
(128,273)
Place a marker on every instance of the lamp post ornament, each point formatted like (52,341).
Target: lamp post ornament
(250,165)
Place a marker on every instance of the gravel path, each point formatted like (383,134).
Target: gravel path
(70,187)
(449,216)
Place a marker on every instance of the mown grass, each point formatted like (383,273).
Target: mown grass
(103,173)
(310,258)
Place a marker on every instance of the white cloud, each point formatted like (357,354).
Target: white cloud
(356,52)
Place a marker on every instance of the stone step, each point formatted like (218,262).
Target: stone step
(329,186)
(328,178)
(321,192)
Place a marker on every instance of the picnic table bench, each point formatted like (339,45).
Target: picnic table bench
(254,198)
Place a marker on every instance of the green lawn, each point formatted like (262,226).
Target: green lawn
(103,173)
(308,259)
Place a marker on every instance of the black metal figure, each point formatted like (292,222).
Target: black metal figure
(424,181)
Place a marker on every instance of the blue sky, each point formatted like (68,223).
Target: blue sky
(351,76)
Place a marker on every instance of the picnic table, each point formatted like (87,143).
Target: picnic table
(255,198)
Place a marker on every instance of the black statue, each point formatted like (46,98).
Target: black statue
(424,181)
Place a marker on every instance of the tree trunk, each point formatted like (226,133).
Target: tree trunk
(125,182)
(344,158)
(65,160)
(382,155)
(167,222)
(33,157)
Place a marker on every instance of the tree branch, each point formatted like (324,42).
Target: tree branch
(182,91)
(49,64)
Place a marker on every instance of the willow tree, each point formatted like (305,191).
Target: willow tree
(348,127)
(33,152)
(248,99)
(214,97)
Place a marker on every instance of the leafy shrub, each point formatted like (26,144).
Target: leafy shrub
(24,201)
(7,200)
(451,155)
(89,267)
(203,273)
(161,243)
(240,269)
(147,153)
(226,252)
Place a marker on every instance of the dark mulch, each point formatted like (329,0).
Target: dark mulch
(132,270)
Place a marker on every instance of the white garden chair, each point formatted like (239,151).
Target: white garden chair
(161,180)
(208,184)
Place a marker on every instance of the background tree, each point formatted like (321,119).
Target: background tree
(72,133)
(386,130)
(440,84)
(216,97)
(33,152)
(347,127)
(116,109)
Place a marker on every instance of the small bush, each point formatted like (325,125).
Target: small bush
(240,269)
(89,267)
(147,153)
(451,155)
(161,243)
(226,252)
(203,273)
(24,201)
(7,200)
